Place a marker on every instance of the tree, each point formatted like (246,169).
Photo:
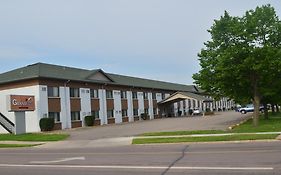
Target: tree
(243,57)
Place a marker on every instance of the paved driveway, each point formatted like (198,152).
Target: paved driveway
(221,120)
(121,134)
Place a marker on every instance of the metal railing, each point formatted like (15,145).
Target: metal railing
(7,124)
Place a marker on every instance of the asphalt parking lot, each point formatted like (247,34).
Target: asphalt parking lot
(219,121)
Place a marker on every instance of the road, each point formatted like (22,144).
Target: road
(261,158)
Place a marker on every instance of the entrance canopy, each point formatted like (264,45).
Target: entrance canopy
(179,96)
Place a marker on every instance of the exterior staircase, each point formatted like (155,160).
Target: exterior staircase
(7,124)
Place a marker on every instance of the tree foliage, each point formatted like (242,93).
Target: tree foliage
(243,58)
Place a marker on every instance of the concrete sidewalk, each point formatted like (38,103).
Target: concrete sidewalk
(108,142)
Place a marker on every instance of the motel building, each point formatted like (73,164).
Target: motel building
(69,94)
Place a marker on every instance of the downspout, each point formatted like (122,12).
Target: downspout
(104,101)
(65,103)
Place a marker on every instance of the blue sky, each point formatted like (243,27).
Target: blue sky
(156,39)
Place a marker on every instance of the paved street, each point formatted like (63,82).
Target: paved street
(232,158)
(107,151)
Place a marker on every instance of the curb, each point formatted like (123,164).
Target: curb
(238,124)
(22,142)
(214,142)
(206,135)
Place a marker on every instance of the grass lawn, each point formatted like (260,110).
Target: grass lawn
(273,124)
(204,139)
(36,137)
(16,145)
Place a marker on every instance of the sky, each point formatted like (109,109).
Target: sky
(154,39)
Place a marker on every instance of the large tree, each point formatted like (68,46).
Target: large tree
(243,57)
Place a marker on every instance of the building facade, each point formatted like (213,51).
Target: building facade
(69,94)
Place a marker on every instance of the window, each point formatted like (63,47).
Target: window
(55,116)
(110,114)
(146,110)
(109,94)
(145,95)
(75,116)
(124,113)
(95,114)
(135,112)
(194,103)
(123,94)
(94,93)
(154,96)
(154,111)
(53,92)
(163,96)
(74,92)
(135,95)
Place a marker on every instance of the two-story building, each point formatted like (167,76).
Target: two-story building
(69,94)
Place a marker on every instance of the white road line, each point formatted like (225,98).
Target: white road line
(58,161)
(138,167)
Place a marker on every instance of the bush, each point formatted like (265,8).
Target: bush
(47,124)
(89,120)
(145,116)
(179,113)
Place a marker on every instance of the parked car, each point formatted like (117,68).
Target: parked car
(196,111)
(249,108)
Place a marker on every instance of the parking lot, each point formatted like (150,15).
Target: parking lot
(220,120)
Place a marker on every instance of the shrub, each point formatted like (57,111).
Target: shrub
(179,113)
(89,120)
(47,124)
(145,116)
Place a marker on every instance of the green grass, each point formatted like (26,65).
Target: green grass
(273,124)
(36,137)
(204,139)
(16,145)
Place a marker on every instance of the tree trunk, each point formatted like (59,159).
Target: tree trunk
(272,108)
(256,100)
(265,111)
(277,108)
(256,103)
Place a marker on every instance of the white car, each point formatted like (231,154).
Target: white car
(249,108)
(196,111)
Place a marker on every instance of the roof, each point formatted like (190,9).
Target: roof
(179,96)
(42,70)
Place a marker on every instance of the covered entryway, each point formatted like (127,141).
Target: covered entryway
(166,106)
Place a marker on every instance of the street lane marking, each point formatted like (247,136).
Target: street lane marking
(138,167)
(58,161)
